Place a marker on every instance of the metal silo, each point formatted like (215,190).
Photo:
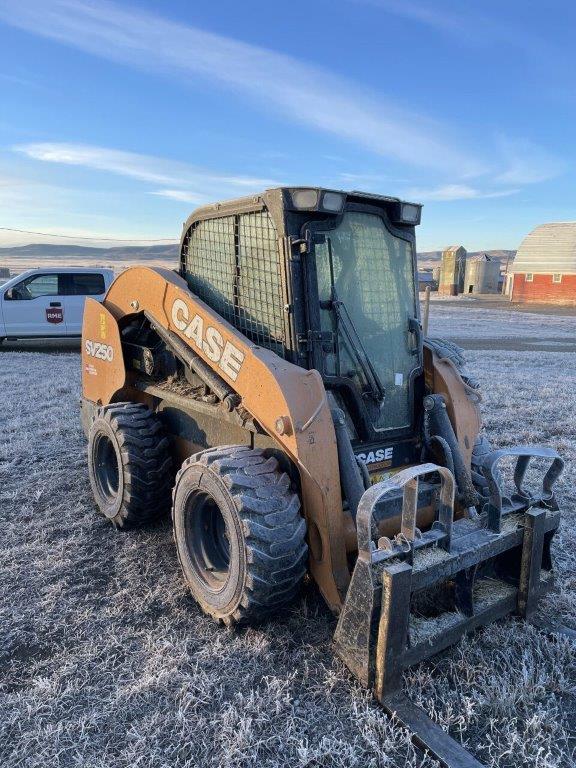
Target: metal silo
(482,274)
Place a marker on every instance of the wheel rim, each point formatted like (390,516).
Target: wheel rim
(207,540)
(106,469)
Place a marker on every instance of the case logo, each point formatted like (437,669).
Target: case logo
(208,340)
(99,351)
(376,457)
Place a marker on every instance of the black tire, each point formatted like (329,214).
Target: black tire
(129,464)
(239,533)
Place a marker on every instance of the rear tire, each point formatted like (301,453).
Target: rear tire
(239,533)
(129,464)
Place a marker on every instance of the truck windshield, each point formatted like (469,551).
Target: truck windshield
(364,267)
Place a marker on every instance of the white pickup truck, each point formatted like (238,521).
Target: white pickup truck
(49,301)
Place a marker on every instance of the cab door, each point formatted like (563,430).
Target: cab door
(78,286)
(35,306)
(366,306)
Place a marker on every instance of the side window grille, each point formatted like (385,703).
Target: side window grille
(232,263)
(211,264)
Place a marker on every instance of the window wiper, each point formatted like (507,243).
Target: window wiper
(356,348)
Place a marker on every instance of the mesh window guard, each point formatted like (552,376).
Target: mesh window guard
(232,263)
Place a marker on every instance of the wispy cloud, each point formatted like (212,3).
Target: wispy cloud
(37,206)
(180,195)
(450,192)
(369,181)
(304,93)
(471,26)
(19,81)
(526,163)
(423,14)
(185,183)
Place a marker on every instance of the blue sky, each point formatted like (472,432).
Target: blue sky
(117,119)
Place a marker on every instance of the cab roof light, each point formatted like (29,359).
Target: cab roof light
(305,199)
(408,213)
(333,202)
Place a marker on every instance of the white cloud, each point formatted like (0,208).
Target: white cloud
(471,27)
(450,192)
(421,13)
(526,163)
(181,196)
(184,182)
(304,93)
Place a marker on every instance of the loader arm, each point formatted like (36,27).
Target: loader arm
(288,401)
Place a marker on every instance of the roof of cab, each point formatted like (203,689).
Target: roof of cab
(264,199)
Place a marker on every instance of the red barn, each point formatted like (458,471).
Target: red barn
(544,270)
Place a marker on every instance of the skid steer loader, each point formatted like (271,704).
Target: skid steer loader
(278,396)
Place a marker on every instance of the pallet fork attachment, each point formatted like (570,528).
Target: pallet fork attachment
(490,566)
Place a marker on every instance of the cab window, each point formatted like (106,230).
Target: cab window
(34,287)
(87,284)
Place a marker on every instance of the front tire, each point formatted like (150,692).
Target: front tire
(129,464)
(239,533)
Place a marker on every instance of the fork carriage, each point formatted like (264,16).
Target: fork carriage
(481,569)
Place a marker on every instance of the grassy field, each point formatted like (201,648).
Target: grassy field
(106,662)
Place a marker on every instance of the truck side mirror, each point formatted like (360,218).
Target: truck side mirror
(9,295)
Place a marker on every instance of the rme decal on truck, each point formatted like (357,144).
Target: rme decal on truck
(99,351)
(209,341)
(379,456)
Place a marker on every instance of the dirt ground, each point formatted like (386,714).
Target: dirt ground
(106,662)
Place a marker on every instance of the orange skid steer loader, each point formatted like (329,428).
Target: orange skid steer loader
(277,394)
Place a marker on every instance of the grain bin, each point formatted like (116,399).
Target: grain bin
(482,274)
(452,270)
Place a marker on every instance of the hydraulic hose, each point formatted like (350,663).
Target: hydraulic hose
(440,426)
(216,383)
(350,474)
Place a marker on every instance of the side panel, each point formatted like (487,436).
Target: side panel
(103,372)
(288,401)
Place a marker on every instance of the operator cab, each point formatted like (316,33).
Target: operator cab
(327,280)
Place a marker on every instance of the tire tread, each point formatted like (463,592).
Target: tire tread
(274,530)
(146,462)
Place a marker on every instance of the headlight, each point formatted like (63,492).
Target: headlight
(333,202)
(304,199)
(410,213)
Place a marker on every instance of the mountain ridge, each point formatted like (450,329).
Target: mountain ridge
(21,257)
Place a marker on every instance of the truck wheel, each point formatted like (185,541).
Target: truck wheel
(129,464)
(239,533)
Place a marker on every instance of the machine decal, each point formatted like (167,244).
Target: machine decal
(102,324)
(99,351)
(381,456)
(377,460)
(54,315)
(209,340)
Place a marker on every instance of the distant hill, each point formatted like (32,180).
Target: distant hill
(432,258)
(45,251)
(19,258)
(24,257)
